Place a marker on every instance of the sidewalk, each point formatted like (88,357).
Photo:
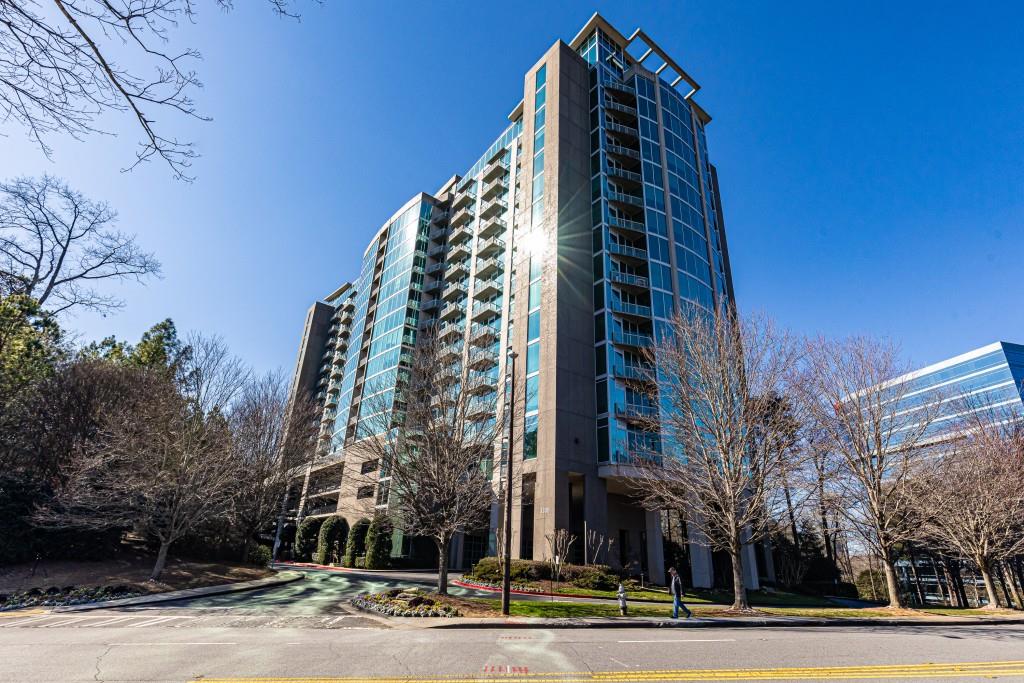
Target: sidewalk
(696,622)
(269,582)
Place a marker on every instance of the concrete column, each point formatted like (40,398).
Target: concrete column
(750,567)
(455,552)
(655,549)
(492,539)
(700,558)
(595,512)
(769,562)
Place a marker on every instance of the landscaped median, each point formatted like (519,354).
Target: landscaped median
(566,613)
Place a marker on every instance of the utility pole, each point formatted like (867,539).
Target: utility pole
(506,574)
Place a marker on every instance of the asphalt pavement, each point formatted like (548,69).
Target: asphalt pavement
(306,631)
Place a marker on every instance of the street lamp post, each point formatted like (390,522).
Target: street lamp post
(506,574)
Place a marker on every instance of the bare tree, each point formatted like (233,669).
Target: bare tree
(56,245)
(164,463)
(559,543)
(271,437)
(594,546)
(725,450)
(435,437)
(971,497)
(62,67)
(854,391)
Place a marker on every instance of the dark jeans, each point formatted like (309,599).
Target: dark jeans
(676,604)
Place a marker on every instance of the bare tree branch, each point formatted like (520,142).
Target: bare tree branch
(56,246)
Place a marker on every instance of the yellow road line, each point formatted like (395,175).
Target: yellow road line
(22,613)
(880,671)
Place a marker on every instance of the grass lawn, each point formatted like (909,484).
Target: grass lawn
(970,612)
(128,570)
(695,597)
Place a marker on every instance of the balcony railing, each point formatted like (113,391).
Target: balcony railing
(482,359)
(457,270)
(463,199)
(484,335)
(636,310)
(625,198)
(452,310)
(488,267)
(496,168)
(493,187)
(463,215)
(622,173)
(632,339)
(619,128)
(626,224)
(627,251)
(485,289)
(640,372)
(636,411)
(489,247)
(612,148)
(491,226)
(486,310)
(628,279)
(455,290)
(620,108)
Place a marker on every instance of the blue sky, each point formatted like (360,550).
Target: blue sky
(871,157)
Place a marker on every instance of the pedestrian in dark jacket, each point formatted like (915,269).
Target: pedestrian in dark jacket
(675,587)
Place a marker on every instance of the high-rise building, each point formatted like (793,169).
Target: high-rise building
(572,240)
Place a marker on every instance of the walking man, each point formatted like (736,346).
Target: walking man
(675,587)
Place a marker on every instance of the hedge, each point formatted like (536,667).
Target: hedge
(306,538)
(378,543)
(593,576)
(329,539)
(356,544)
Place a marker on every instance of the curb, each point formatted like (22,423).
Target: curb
(269,582)
(712,622)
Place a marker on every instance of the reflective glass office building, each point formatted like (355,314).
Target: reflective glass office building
(989,380)
(572,240)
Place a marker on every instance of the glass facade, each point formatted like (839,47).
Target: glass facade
(989,380)
(658,242)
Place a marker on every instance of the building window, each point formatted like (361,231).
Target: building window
(369,466)
(364,492)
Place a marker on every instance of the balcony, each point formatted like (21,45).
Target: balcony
(454,291)
(433,286)
(634,310)
(330,509)
(436,251)
(496,168)
(621,151)
(618,87)
(639,341)
(464,198)
(462,233)
(487,289)
(629,280)
(491,226)
(486,310)
(624,130)
(636,227)
(623,174)
(495,207)
(449,331)
(457,270)
(493,188)
(635,412)
(490,247)
(624,198)
(323,489)
(434,268)
(626,251)
(482,359)
(484,335)
(481,383)
(431,305)
(451,352)
(438,234)
(487,267)
(452,311)
(481,408)
(620,108)
(633,372)
(463,215)
(460,250)
(332,400)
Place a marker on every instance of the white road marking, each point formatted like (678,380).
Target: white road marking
(158,620)
(171,643)
(108,621)
(24,620)
(684,640)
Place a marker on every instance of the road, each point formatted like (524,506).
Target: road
(306,631)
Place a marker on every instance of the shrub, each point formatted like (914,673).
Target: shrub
(327,540)
(259,555)
(306,538)
(378,542)
(356,543)
(595,577)
(871,585)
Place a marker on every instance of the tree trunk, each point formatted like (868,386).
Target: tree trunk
(917,579)
(1012,585)
(739,588)
(892,583)
(161,560)
(245,549)
(792,514)
(442,567)
(990,587)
